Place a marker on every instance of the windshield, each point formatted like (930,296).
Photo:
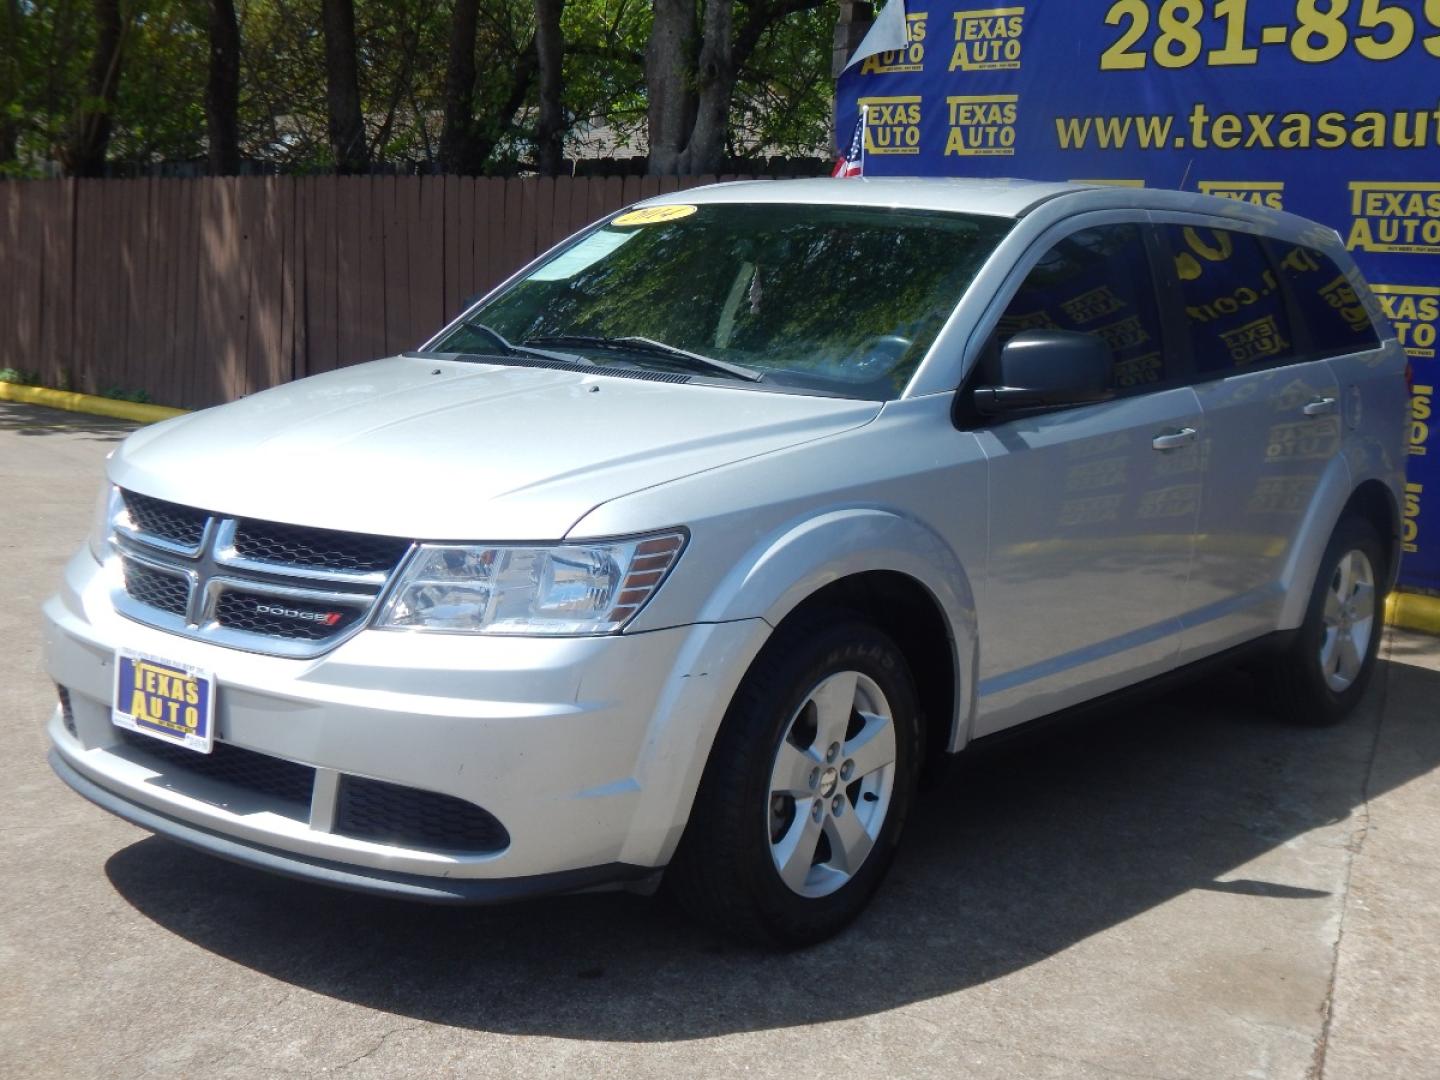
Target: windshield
(843,300)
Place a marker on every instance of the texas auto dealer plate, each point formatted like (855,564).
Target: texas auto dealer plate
(165,700)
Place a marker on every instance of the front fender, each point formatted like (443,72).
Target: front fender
(792,563)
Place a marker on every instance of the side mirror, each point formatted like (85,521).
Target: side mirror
(1042,369)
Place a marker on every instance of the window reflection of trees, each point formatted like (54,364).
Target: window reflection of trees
(854,294)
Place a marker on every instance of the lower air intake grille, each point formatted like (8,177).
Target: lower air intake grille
(156,588)
(259,774)
(409,817)
(67,712)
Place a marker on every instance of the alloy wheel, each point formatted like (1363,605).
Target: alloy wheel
(1349,620)
(831,784)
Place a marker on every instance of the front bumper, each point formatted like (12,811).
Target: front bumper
(356,878)
(587,750)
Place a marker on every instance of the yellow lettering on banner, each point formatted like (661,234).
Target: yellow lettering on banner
(910,58)
(1403,218)
(1410,523)
(1269,193)
(892,124)
(1420,408)
(988,40)
(1414,311)
(982,126)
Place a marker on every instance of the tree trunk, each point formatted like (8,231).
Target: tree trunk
(85,153)
(691,82)
(669,84)
(485,141)
(550,55)
(342,86)
(10,83)
(457,137)
(222,94)
(715,80)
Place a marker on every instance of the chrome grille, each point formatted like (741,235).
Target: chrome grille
(181,526)
(156,588)
(268,587)
(326,549)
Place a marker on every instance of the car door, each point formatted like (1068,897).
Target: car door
(1093,509)
(1272,422)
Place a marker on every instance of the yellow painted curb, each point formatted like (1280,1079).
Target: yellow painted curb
(87,403)
(1411,611)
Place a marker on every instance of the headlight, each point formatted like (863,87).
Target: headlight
(107,505)
(492,589)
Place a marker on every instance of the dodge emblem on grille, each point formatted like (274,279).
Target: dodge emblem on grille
(325,618)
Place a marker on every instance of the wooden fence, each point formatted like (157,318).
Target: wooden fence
(200,291)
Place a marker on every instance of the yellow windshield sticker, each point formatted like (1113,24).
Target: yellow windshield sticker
(653,215)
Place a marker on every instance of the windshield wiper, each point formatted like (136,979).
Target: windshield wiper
(507,348)
(657,349)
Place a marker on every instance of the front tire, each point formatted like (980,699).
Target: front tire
(1323,675)
(807,787)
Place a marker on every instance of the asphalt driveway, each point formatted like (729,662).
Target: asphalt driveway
(1180,889)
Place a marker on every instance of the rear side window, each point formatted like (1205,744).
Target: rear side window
(1336,321)
(1097,281)
(1235,309)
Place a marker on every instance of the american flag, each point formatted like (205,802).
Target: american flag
(853,163)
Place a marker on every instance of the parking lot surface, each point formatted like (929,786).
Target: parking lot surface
(1182,888)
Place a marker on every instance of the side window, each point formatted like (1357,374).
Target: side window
(1234,308)
(1324,297)
(1097,281)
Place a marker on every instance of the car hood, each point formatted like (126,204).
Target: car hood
(442,449)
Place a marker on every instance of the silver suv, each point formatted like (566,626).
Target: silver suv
(690,544)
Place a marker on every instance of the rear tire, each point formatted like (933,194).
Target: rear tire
(1320,678)
(807,787)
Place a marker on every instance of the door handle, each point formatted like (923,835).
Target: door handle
(1324,406)
(1174,440)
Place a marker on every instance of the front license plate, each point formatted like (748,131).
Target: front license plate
(169,701)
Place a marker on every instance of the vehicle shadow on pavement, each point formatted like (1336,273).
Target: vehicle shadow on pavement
(36,420)
(1024,852)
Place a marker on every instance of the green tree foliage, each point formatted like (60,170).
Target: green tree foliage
(780,102)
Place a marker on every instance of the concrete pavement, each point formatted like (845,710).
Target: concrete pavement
(1184,889)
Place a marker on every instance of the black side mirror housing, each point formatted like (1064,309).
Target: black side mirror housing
(1044,369)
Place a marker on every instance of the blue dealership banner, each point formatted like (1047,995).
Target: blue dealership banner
(1326,108)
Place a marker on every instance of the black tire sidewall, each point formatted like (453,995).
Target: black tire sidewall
(863,649)
(1314,693)
(793,663)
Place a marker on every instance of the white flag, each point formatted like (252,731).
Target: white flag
(888,33)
